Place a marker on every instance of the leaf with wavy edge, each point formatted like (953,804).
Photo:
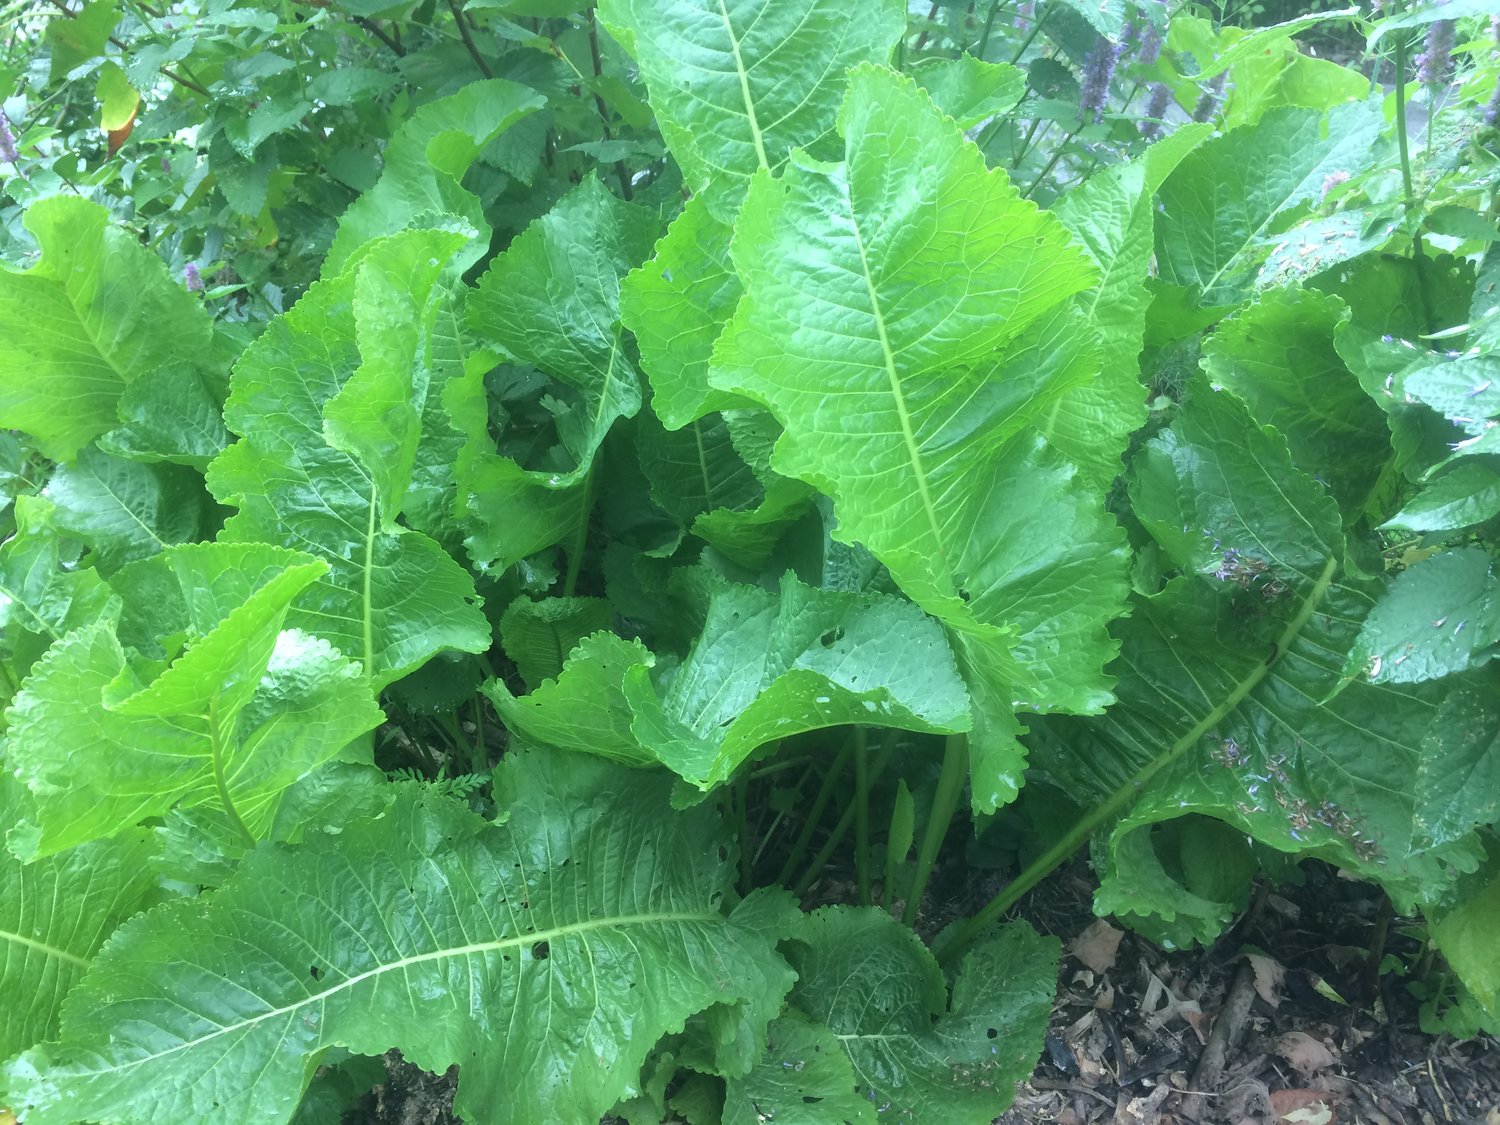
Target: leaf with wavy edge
(40,599)
(1439,617)
(904,319)
(1277,354)
(764,668)
(1458,780)
(425,163)
(918,1054)
(767,667)
(1219,205)
(854,308)
(376,416)
(241,714)
(551,300)
(125,510)
(546,955)
(539,635)
(676,305)
(737,84)
(1464,930)
(805,1078)
(584,706)
(696,469)
(392,597)
(1219,708)
(970,90)
(1112,215)
(55,914)
(73,340)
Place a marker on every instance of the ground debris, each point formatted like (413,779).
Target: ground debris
(1127,1039)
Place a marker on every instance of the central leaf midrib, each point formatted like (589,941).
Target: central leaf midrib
(367,622)
(17,598)
(744,77)
(902,412)
(43,948)
(422,958)
(708,485)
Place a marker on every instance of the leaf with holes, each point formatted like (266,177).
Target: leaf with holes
(583,929)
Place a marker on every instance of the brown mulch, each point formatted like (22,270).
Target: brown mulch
(1307,1033)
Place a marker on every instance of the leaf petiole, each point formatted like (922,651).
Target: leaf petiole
(216,748)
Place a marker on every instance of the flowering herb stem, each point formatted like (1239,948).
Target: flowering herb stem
(1408,195)
(1036,29)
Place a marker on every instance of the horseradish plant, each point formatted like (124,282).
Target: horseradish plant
(462,601)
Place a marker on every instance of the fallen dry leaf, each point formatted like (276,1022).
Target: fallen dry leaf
(1097,946)
(1305,1053)
(1269,973)
(1302,1107)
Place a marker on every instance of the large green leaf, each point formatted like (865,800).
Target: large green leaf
(737,84)
(676,305)
(538,636)
(1466,495)
(552,300)
(1219,206)
(1278,356)
(742,526)
(1227,684)
(881,282)
(696,469)
(970,90)
(1111,215)
(172,414)
(1465,931)
(376,416)
(54,915)
(1439,617)
(40,598)
(904,319)
(1458,782)
(433,504)
(421,183)
(804,1078)
(241,714)
(917,1054)
(96,313)
(583,707)
(392,597)
(126,510)
(545,955)
(1465,391)
(764,668)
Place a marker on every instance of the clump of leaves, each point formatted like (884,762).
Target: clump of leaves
(677,441)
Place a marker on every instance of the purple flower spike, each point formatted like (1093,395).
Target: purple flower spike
(1098,73)
(1024,12)
(1150,49)
(192,278)
(1208,104)
(1492,111)
(1432,63)
(8,153)
(1156,108)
